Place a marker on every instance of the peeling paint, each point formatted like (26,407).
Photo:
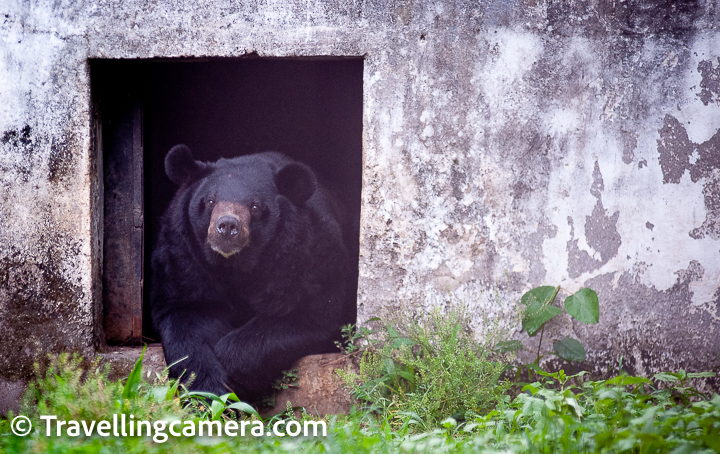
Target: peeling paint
(505,146)
(710,84)
(678,154)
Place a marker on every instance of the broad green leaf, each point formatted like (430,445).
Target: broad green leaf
(569,349)
(611,394)
(646,419)
(627,380)
(406,375)
(713,441)
(508,346)
(133,380)
(544,294)
(584,306)
(579,374)
(389,366)
(536,314)
(397,339)
(701,374)
(242,406)
(448,422)
(217,407)
(160,393)
(547,374)
(666,377)
(579,410)
(204,394)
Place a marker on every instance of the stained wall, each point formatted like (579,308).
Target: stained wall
(506,144)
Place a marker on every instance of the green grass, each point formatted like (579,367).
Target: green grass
(420,372)
(432,406)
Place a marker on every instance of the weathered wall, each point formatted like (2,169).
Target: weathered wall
(506,145)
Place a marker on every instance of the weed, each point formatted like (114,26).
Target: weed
(289,379)
(582,305)
(417,375)
(426,386)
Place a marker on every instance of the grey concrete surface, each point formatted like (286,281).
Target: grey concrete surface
(506,144)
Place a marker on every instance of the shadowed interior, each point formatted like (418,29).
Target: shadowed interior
(310,109)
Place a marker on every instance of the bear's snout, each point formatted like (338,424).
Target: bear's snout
(229,229)
(228,226)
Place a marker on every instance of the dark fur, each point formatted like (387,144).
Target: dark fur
(241,320)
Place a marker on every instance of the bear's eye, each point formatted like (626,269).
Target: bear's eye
(255,209)
(210,202)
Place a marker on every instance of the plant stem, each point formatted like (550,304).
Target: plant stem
(537,360)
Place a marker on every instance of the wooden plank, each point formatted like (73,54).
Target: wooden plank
(123,215)
(138,217)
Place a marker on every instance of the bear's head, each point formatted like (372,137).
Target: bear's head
(234,206)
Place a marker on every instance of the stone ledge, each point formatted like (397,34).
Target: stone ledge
(11,393)
(123,359)
(320,391)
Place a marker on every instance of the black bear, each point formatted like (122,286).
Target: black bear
(249,271)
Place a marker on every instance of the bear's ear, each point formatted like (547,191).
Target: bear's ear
(296,182)
(180,166)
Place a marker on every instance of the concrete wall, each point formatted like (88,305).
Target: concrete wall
(507,144)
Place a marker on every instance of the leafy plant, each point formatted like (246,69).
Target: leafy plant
(622,414)
(289,379)
(418,374)
(133,381)
(353,337)
(218,405)
(582,305)
(556,413)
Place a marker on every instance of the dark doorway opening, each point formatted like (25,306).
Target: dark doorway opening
(309,109)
